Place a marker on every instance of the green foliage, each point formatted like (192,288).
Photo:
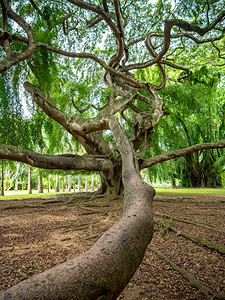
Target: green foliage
(196,115)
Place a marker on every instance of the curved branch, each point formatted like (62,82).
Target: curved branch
(14,58)
(110,70)
(167,38)
(146,163)
(120,38)
(77,127)
(63,162)
(46,105)
(161,67)
(99,11)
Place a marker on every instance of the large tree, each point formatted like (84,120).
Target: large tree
(81,59)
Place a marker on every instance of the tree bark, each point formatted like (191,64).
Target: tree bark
(63,184)
(79,184)
(69,183)
(106,268)
(29,180)
(40,185)
(49,183)
(57,183)
(2,181)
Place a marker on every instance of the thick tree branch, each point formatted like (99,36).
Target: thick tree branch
(46,105)
(146,163)
(63,162)
(75,126)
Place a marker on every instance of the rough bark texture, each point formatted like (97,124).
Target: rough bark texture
(105,269)
(40,184)
(2,181)
(29,181)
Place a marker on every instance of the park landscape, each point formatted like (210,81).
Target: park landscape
(131,92)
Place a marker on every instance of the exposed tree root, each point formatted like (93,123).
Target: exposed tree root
(195,239)
(208,292)
(22,206)
(94,236)
(98,211)
(77,226)
(200,241)
(200,224)
(189,207)
(187,199)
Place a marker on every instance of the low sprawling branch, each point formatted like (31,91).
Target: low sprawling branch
(63,162)
(149,162)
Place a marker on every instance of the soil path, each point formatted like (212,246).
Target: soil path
(37,234)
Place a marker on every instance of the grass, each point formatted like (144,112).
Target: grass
(10,195)
(220,191)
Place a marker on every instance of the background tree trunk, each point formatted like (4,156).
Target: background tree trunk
(40,185)
(92,183)
(56,183)
(79,184)
(63,184)
(29,180)
(2,181)
(49,184)
(69,183)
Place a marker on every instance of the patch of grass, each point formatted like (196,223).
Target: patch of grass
(25,195)
(191,191)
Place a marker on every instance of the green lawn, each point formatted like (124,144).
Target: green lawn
(24,194)
(10,195)
(220,191)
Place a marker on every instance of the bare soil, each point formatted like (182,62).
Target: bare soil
(37,234)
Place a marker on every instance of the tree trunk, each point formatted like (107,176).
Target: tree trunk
(63,184)
(49,184)
(79,184)
(113,186)
(92,183)
(86,184)
(105,269)
(69,183)
(29,180)
(2,181)
(40,185)
(57,183)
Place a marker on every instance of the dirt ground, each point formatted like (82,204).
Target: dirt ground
(37,234)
